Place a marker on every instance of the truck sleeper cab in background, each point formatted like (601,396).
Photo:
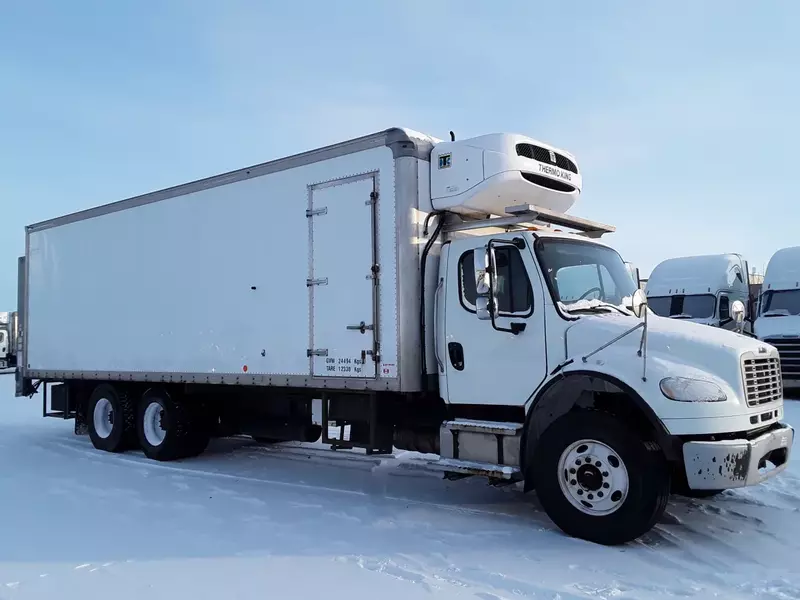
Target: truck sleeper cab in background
(778,319)
(701,289)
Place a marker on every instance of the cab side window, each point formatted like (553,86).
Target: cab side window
(724,307)
(514,292)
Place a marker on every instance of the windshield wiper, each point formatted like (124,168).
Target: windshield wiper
(776,312)
(681,316)
(593,306)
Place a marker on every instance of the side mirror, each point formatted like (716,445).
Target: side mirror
(638,303)
(483,261)
(737,314)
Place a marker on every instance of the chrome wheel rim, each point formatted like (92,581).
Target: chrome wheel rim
(593,477)
(152,423)
(103,418)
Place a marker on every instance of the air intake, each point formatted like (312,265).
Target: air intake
(544,155)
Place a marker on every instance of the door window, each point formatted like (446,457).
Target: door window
(724,307)
(514,293)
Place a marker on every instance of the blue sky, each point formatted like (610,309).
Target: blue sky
(683,115)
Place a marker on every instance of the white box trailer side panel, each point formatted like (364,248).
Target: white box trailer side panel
(212,285)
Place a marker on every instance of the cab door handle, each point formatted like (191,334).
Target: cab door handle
(456,352)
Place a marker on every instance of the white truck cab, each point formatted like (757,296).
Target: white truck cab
(777,320)
(8,328)
(438,298)
(701,289)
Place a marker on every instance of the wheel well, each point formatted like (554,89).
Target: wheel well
(588,391)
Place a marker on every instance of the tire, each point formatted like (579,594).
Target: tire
(169,429)
(111,419)
(619,500)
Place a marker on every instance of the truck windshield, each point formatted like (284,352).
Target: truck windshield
(781,302)
(693,306)
(584,271)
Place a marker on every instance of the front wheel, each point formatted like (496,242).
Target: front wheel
(599,481)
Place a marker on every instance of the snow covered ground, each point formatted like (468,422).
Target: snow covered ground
(246,521)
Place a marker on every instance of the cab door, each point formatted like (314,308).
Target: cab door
(484,362)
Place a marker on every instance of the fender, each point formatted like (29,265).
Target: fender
(578,389)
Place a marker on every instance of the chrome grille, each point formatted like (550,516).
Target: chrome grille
(789,351)
(762,380)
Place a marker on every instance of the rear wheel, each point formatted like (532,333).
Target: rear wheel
(169,429)
(111,419)
(599,481)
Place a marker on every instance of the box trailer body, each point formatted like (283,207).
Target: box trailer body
(778,318)
(701,289)
(259,277)
(433,295)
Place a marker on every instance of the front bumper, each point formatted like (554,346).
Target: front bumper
(726,464)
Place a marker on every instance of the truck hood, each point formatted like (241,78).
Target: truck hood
(694,342)
(713,321)
(674,348)
(768,327)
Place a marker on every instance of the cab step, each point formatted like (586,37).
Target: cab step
(481,445)
(465,468)
(491,427)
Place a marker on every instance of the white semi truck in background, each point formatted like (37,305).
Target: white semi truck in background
(778,317)
(434,295)
(701,289)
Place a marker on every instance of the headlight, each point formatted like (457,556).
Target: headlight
(684,389)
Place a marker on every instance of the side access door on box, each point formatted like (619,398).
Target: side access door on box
(343,280)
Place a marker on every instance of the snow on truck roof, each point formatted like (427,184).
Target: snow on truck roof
(694,274)
(783,270)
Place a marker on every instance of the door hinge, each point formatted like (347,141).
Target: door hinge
(313,212)
(375,271)
(317,352)
(310,282)
(373,198)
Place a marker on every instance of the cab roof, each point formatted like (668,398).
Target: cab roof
(783,270)
(706,274)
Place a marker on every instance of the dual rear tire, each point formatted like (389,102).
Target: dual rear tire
(165,428)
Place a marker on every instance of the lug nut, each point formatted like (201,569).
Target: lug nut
(605,485)
(572,482)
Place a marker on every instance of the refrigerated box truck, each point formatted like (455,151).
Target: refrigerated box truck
(434,295)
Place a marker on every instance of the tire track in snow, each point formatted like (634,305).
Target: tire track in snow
(101,458)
